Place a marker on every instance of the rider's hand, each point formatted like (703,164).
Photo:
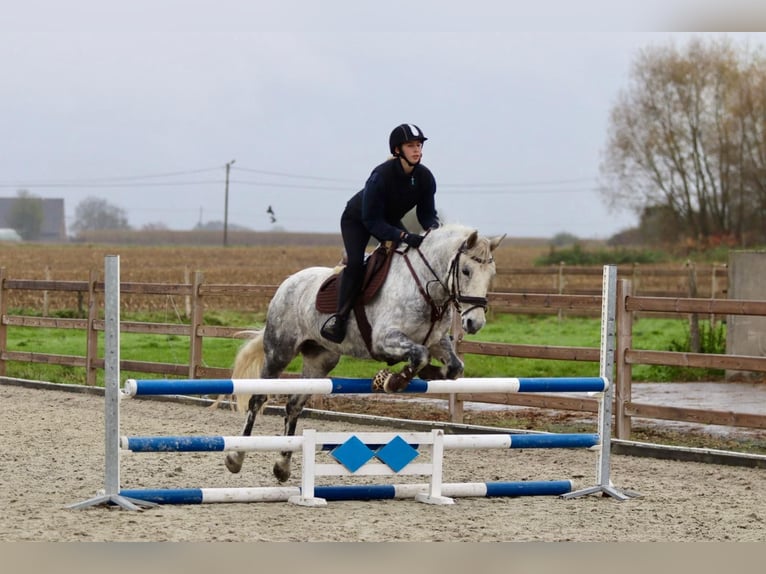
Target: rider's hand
(412,239)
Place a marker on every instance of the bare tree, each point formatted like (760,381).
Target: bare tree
(750,113)
(685,138)
(93,213)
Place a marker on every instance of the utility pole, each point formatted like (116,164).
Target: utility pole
(226,206)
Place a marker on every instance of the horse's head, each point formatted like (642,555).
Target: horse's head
(470,272)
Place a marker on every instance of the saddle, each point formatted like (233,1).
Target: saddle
(376,265)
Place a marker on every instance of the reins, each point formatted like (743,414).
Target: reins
(455,297)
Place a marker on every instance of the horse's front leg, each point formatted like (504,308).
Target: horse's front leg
(444,351)
(235,459)
(396,346)
(293,410)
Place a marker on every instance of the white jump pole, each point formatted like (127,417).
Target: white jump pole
(111,492)
(606,371)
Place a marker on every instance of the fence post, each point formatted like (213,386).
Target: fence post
(3,327)
(635,282)
(196,320)
(561,285)
(713,290)
(46,298)
(91,348)
(694,320)
(187,299)
(623,370)
(456,405)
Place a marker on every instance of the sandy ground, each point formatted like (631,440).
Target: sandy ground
(53,455)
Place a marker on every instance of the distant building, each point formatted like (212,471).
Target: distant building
(7,234)
(53,227)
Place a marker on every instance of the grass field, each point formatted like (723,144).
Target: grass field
(655,334)
(270,264)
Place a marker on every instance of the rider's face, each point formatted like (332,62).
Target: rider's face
(413,151)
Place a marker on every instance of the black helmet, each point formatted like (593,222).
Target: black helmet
(404,133)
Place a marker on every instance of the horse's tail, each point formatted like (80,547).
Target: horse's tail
(248,363)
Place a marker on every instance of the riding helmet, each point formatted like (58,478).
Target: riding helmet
(404,133)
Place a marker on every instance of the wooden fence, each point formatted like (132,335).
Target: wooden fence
(660,280)
(197,292)
(665,280)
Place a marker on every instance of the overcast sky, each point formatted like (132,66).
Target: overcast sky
(143,103)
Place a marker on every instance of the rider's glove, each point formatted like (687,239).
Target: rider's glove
(412,239)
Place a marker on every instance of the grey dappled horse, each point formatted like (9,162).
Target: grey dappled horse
(410,317)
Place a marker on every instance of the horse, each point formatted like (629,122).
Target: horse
(410,315)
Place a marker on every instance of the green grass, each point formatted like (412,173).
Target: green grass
(651,334)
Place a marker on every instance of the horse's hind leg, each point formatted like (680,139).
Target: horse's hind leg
(253,361)
(235,459)
(293,410)
(317,362)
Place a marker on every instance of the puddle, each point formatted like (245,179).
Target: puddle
(749,398)
(736,397)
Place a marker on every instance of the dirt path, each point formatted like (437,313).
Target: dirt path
(53,455)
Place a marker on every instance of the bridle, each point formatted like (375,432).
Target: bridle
(451,285)
(455,293)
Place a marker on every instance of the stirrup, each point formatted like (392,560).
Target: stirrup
(334,328)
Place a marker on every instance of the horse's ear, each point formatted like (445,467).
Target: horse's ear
(495,241)
(472,239)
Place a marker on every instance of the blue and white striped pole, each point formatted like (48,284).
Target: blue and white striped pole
(295,443)
(340,385)
(348,492)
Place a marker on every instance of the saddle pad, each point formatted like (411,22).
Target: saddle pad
(376,270)
(327,296)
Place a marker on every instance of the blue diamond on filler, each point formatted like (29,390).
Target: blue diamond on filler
(353,454)
(397,453)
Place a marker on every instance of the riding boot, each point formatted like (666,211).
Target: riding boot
(334,329)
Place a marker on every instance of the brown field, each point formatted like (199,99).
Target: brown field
(250,265)
(270,262)
(260,264)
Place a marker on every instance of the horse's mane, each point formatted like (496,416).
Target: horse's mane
(482,249)
(453,229)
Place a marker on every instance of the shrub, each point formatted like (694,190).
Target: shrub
(576,255)
(712,341)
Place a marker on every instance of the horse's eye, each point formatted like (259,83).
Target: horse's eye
(466,271)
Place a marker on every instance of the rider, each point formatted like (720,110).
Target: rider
(393,188)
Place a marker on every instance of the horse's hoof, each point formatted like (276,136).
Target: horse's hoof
(453,374)
(430,373)
(281,473)
(380,379)
(234,462)
(395,383)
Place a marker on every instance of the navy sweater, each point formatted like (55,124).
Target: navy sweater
(388,195)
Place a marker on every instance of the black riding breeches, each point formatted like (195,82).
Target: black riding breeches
(355,238)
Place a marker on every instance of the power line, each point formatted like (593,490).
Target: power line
(451,189)
(105,185)
(296,176)
(282,174)
(515,192)
(520,184)
(83,181)
(483,188)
